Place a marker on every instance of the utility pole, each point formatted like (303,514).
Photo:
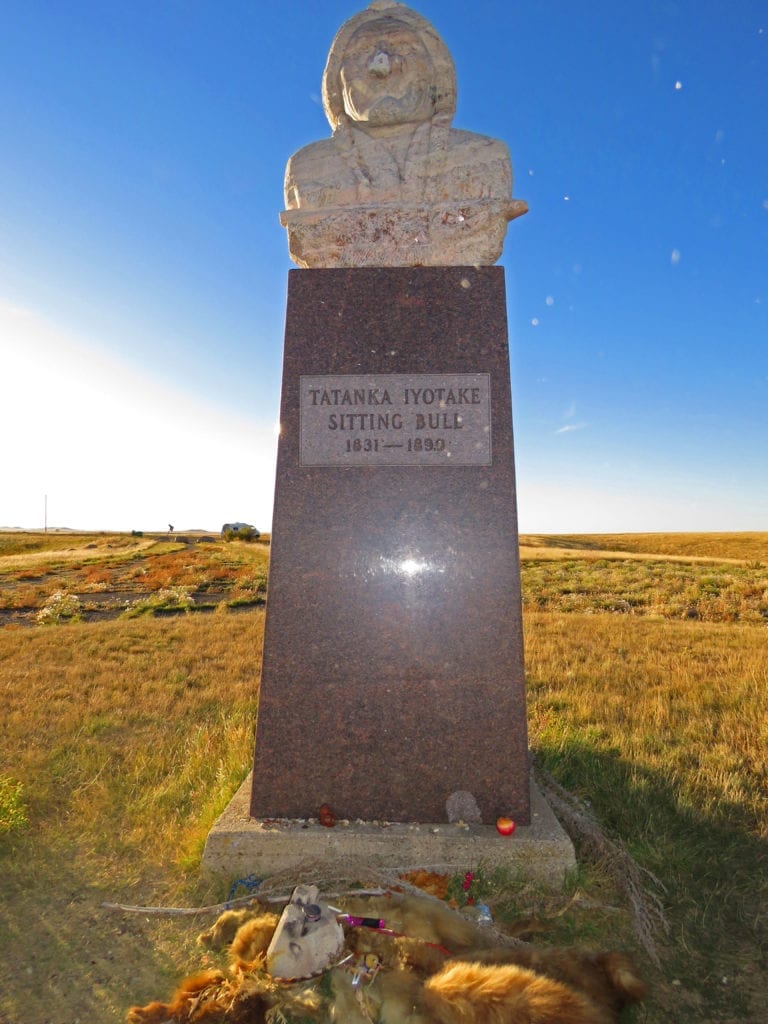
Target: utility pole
(46,514)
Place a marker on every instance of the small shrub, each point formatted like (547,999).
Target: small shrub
(168,598)
(245,533)
(60,607)
(245,601)
(13,813)
(254,582)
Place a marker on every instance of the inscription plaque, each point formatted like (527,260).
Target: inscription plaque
(424,419)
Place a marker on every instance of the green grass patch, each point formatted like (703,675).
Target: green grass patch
(13,811)
(657,588)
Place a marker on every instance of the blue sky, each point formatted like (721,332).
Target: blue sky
(143,268)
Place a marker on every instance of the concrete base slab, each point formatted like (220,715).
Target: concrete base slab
(239,845)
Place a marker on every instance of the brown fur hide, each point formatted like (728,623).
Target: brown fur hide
(529,986)
(435,969)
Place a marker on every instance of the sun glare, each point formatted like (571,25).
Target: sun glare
(115,448)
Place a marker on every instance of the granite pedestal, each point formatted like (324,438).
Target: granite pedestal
(239,845)
(393,656)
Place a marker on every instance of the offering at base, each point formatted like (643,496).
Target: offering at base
(308,938)
(429,965)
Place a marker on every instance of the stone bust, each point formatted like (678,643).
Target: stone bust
(395,185)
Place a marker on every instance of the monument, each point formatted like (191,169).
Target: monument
(396,185)
(392,684)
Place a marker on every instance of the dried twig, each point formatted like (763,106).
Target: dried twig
(217,908)
(637,883)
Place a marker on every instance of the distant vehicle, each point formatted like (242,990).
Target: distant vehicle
(240,531)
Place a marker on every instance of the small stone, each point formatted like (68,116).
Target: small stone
(461,806)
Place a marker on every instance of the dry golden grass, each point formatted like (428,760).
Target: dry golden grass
(129,736)
(152,717)
(83,549)
(662,727)
(530,552)
(684,705)
(657,587)
(719,547)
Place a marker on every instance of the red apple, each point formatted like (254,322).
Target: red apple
(505,826)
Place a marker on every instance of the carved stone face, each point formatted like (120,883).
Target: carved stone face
(387,75)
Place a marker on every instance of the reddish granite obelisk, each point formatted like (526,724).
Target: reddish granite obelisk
(393,657)
(392,673)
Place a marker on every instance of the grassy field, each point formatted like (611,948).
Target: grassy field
(128,723)
(105,576)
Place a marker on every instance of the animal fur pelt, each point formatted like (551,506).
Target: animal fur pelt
(189,997)
(472,993)
(533,986)
(420,918)
(430,966)
(608,979)
(226,926)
